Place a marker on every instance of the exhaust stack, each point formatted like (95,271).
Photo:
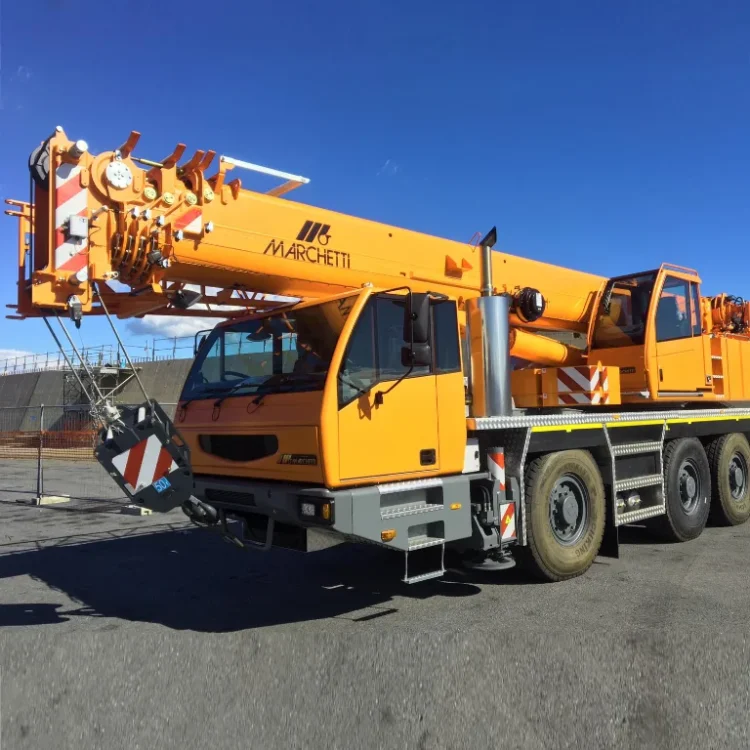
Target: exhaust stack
(488,320)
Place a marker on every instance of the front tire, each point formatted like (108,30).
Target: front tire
(687,483)
(565,514)
(729,459)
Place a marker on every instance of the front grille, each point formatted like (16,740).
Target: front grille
(239,447)
(230,496)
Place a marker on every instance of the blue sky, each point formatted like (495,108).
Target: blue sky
(604,136)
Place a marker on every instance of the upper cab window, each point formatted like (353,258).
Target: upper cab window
(621,320)
(374,351)
(390,331)
(695,310)
(445,337)
(673,311)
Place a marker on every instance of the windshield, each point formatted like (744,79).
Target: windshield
(288,351)
(621,320)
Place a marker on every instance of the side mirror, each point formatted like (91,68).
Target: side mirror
(199,341)
(418,356)
(417,319)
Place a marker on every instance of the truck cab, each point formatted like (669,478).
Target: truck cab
(324,393)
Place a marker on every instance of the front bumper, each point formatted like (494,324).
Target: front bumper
(401,515)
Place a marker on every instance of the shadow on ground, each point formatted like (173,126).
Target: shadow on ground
(193,580)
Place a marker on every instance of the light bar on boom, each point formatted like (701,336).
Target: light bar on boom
(265,170)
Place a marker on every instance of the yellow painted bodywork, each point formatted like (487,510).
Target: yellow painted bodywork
(294,418)
(257,243)
(359,443)
(249,244)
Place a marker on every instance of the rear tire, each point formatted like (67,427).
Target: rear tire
(729,459)
(565,514)
(687,484)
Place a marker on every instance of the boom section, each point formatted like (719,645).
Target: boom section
(156,226)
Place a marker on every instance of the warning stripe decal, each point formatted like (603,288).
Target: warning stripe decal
(496,466)
(133,465)
(190,222)
(144,463)
(507,521)
(582,385)
(70,200)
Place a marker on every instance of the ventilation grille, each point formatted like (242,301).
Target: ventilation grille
(239,447)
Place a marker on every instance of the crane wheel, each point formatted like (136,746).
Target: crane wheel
(729,459)
(687,483)
(565,514)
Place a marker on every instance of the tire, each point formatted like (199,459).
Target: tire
(729,461)
(687,484)
(565,514)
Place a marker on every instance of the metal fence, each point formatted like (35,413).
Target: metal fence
(153,350)
(49,450)
(93,356)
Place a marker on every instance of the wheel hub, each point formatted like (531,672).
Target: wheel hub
(690,488)
(737,476)
(568,509)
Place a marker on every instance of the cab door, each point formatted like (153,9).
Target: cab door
(394,433)
(679,343)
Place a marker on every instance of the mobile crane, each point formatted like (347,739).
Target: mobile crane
(382,405)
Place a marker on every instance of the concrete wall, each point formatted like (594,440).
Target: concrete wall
(163,382)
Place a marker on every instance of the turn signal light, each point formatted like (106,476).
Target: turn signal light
(325,511)
(388,536)
(455,506)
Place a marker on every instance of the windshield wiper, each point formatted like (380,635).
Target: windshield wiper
(208,392)
(236,387)
(286,379)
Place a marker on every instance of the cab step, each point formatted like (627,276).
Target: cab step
(424,560)
(423,541)
(409,509)
(641,514)
(425,576)
(634,483)
(633,449)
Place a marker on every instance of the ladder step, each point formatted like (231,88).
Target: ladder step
(631,449)
(651,480)
(410,509)
(716,356)
(423,541)
(425,576)
(632,516)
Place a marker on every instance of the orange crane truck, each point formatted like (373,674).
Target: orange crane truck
(412,395)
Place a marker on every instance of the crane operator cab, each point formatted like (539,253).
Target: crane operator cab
(650,326)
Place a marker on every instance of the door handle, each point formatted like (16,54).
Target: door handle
(661,375)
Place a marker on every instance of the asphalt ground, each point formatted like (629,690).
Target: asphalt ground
(131,632)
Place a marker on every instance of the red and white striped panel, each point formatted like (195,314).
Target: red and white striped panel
(496,465)
(70,200)
(144,463)
(582,385)
(507,521)
(191,222)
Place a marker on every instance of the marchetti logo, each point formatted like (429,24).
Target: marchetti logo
(298,459)
(311,247)
(312,231)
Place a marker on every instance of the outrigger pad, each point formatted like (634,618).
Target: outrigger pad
(147,457)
